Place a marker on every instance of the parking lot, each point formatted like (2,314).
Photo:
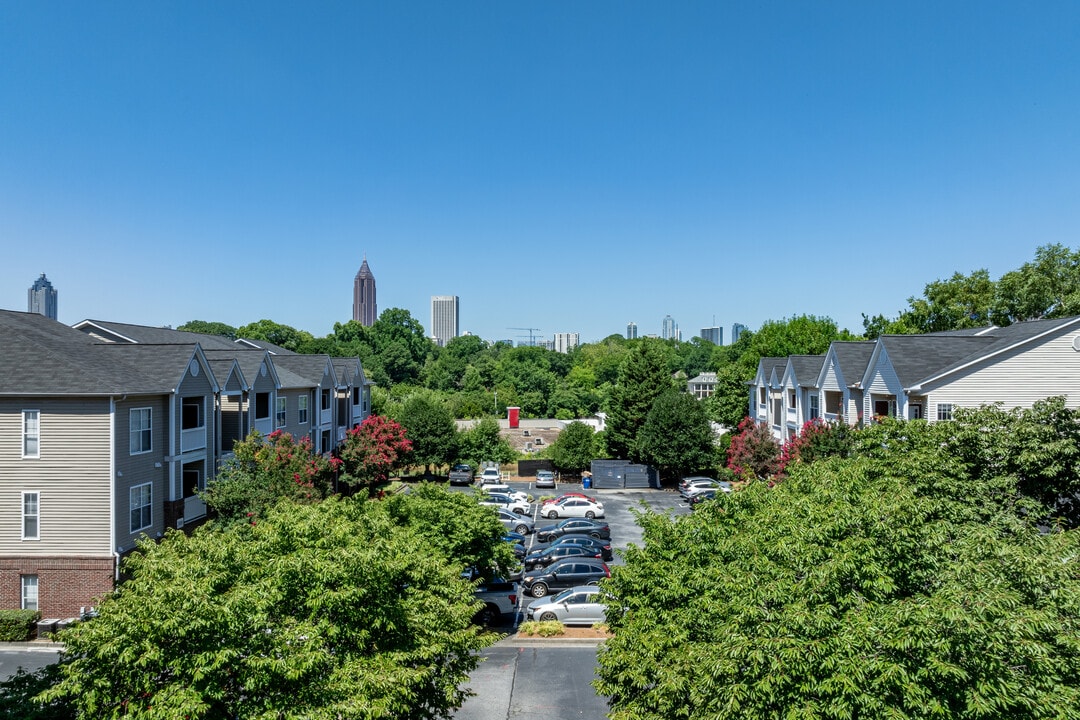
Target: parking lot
(617,514)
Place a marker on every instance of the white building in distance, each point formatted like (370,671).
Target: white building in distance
(444,318)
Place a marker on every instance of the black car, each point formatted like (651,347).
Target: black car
(543,558)
(604,546)
(573,526)
(564,574)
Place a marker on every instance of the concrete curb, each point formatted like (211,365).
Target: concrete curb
(519,641)
(32,645)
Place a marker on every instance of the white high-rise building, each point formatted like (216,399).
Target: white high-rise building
(565,342)
(631,331)
(444,318)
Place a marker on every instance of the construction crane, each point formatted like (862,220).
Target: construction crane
(532,337)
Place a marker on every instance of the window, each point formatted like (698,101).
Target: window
(944,411)
(31,433)
(325,400)
(302,409)
(191,413)
(356,396)
(262,406)
(791,398)
(832,402)
(916,411)
(279,415)
(815,409)
(31,516)
(139,421)
(29,592)
(761,396)
(141,497)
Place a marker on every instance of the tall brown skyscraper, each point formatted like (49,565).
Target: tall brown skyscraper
(364,310)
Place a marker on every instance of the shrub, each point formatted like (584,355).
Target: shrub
(17,625)
(548,628)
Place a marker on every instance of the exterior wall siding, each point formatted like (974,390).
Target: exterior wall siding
(1017,379)
(72,476)
(142,468)
(883,381)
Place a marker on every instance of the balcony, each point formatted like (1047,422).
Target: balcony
(193,439)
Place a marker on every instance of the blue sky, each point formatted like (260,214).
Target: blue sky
(564,166)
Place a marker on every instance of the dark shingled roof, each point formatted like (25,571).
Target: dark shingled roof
(300,370)
(806,368)
(852,356)
(147,335)
(44,357)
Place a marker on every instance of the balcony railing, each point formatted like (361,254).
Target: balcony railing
(193,439)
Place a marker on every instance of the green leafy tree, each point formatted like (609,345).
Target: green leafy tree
(209,328)
(728,403)
(456,525)
(430,426)
(401,347)
(265,470)
(282,335)
(643,377)
(372,451)
(890,585)
(1048,287)
(483,442)
(574,449)
(676,438)
(18,696)
(324,611)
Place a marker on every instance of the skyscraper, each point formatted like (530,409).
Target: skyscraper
(736,331)
(565,342)
(631,331)
(669,330)
(714,334)
(41,298)
(444,318)
(364,309)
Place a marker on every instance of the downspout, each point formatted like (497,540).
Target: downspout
(112,488)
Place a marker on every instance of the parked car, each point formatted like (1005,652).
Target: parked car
(604,546)
(704,496)
(500,602)
(573,526)
(462,474)
(504,489)
(696,490)
(505,501)
(545,557)
(687,483)
(575,606)
(565,495)
(564,574)
(490,475)
(573,507)
(514,537)
(517,523)
(545,479)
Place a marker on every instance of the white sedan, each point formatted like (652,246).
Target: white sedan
(573,507)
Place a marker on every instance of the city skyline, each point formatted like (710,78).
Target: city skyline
(554,166)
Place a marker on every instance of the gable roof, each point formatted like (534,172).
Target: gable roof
(44,357)
(303,370)
(145,334)
(805,369)
(263,345)
(250,362)
(852,359)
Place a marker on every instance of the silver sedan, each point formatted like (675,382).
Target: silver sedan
(573,507)
(575,606)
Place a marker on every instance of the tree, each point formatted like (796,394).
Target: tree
(817,439)
(753,453)
(643,377)
(574,449)
(728,403)
(266,470)
(483,442)
(209,328)
(400,344)
(1048,287)
(431,428)
(893,585)
(282,335)
(323,611)
(371,451)
(676,438)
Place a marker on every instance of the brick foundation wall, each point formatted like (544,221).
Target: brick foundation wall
(65,584)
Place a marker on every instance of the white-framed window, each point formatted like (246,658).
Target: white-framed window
(815,409)
(944,411)
(791,398)
(31,447)
(191,413)
(140,429)
(31,515)
(29,592)
(916,411)
(141,499)
(280,412)
(302,409)
(325,400)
